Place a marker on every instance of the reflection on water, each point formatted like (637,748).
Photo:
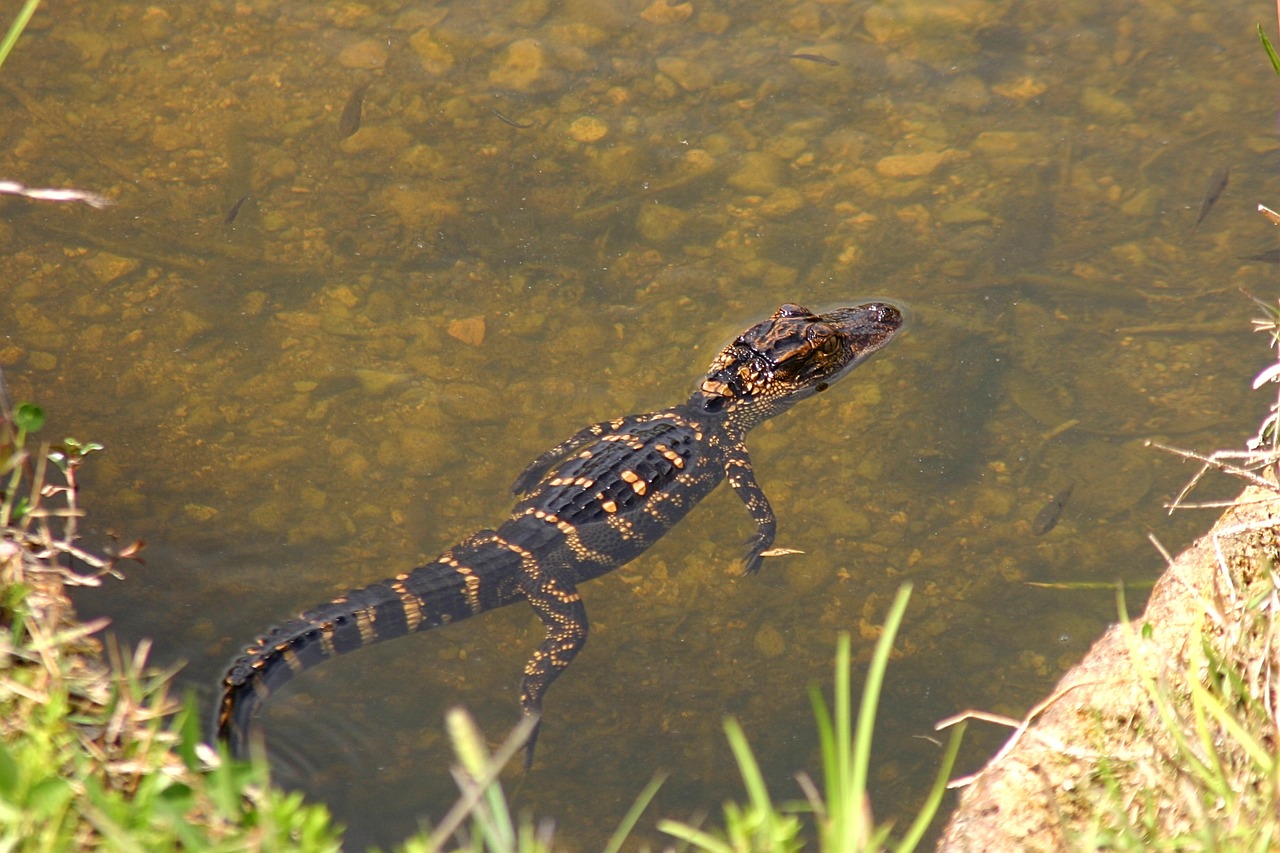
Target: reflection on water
(369,260)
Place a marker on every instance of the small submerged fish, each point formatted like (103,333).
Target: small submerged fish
(505,120)
(1271,256)
(235,209)
(349,123)
(814,57)
(1217,184)
(1047,518)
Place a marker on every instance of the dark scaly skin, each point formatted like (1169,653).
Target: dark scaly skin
(592,503)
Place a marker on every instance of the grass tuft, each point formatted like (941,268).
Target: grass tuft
(842,811)
(1204,774)
(94,750)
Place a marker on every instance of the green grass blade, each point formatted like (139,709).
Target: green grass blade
(1204,699)
(1266,45)
(633,814)
(871,691)
(842,716)
(19,24)
(929,809)
(698,838)
(827,742)
(748,768)
(1216,772)
(468,743)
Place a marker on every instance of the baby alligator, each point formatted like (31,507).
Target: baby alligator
(591,504)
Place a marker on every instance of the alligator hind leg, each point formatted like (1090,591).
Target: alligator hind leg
(560,608)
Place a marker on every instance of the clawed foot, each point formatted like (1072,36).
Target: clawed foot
(755,557)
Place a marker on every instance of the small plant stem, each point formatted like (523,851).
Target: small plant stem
(15,477)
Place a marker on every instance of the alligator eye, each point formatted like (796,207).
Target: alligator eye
(830,346)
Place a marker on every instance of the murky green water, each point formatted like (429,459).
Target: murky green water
(552,214)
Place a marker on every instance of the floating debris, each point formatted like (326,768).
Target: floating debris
(53,194)
(1111,585)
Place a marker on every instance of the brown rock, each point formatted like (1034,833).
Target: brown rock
(917,165)
(469,331)
(660,12)
(370,53)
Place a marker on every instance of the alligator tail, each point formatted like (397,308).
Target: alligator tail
(452,588)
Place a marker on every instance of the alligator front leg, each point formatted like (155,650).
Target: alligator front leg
(742,478)
(560,608)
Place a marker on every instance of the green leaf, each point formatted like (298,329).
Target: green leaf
(28,417)
(80,448)
(21,507)
(1271,51)
(187,724)
(10,773)
(49,796)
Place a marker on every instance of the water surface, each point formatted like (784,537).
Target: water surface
(553,214)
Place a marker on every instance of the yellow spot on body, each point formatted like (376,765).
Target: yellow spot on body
(326,639)
(471,590)
(640,486)
(364,621)
(516,549)
(290,658)
(629,476)
(609,506)
(410,603)
(671,456)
